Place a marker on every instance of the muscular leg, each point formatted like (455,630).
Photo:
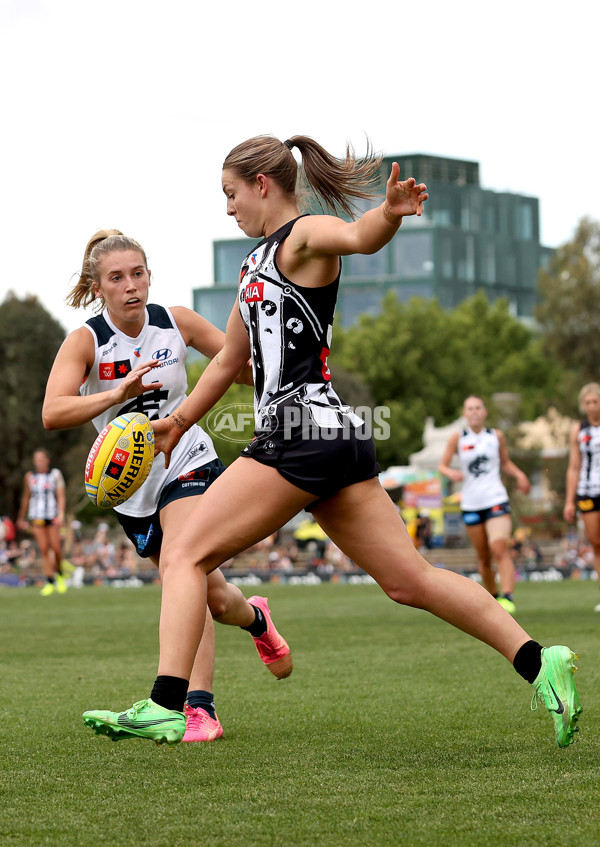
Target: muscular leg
(363,522)
(591,522)
(227,603)
(498,532)
(244,505)
(55,543)
(478,537)
(42,539)
(204,664)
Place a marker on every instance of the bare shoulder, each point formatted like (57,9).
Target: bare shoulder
(80,340)
(453,439)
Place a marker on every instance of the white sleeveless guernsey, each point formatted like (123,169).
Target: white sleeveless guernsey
(116,355)
(588,439)
(43,505)
(479,457)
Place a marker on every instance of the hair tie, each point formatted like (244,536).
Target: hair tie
(289,144)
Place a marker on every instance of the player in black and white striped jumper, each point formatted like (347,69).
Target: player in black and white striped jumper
(583,472)
(43,509)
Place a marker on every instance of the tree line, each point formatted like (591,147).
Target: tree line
(415,358)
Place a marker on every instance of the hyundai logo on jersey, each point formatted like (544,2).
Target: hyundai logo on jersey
(162,355)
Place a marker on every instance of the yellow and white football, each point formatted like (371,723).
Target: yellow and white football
(120,460)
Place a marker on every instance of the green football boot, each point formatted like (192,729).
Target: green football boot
(144,719)
(555,688)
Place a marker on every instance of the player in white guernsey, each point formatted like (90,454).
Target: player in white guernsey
(583,472)
(321,460)
(43,509)
(482,454)
(131,357)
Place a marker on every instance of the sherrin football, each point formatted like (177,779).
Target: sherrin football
(120,460)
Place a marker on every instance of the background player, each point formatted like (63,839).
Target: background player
(43,509)
(583,472)
(482,453)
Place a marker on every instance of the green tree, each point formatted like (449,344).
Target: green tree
(29,340)
(420,360)
(569,310)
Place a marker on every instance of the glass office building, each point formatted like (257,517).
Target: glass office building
(469,238)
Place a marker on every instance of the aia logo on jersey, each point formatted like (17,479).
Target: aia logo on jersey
(114,370)
(468,447)
(254,292)
(117,463)
(585,439)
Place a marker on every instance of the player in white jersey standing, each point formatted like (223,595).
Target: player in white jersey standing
(310,450)
(43,508)
(583,472)
(131,358)
(482,454)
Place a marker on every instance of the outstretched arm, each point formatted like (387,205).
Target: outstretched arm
(214,382)
(326,235)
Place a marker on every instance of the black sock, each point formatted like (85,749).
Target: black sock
(259,627)
(528,661)
(200,699)
(50,579)
(169,692)
(508,596)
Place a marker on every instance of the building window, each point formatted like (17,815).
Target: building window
(228,260)
(465,266)
(524,222)
(358,265)
(489,263)
(446,263)
(412,255)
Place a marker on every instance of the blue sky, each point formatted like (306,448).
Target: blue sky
(120,113)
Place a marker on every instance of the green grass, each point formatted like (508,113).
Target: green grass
(393,729)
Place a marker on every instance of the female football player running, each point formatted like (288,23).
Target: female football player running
(131,358)
(482,453)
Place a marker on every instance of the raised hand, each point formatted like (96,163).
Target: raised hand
(404,198)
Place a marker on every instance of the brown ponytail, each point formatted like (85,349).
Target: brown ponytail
(334,181)
(100,244)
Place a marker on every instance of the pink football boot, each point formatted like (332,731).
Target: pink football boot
(272,648)
(199,726)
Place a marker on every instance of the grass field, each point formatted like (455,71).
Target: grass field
(393,729)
